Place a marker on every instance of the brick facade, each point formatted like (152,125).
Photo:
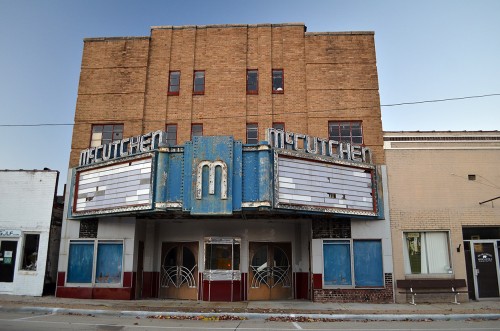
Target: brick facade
(327,77)
(383,295)
(429,190)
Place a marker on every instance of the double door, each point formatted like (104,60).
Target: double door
(270,271)
(179,270)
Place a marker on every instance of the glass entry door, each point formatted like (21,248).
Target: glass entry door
(485,268)
(179,271)
(270,271)
(7,260)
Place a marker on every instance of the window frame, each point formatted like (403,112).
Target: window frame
(339,123)
(176,131)
(170,85)
(256,91)
(233,241)
(112,132)
(22,265)
(352,258)
(196,124)
(256,129)
(451,269)
(277,90)
(95,243)
(202,92)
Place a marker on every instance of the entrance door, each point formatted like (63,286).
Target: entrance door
(7,260)
(486,269)
(270,271)
(179,271)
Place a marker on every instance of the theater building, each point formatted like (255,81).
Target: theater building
(444,196)
(228,163)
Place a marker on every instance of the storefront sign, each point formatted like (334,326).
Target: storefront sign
(319,146)
(10,233)
(485,258)
(125,147)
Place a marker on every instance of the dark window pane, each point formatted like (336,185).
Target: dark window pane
(174,81)
(172,134)
(30,254)
(196,130)
(108,128)
(252,81)
(199,82)
(252,133)
(97,128)
(279,126)
(277,80)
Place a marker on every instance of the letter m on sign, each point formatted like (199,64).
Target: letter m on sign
(212,176)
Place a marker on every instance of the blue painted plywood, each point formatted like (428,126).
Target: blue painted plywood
(337,263)
(368,268)
(80,262)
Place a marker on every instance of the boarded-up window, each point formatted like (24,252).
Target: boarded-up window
(109,263)
(80,262)
(368,269)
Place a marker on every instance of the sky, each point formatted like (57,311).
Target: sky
(426,50)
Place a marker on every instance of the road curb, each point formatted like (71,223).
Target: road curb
(337,317)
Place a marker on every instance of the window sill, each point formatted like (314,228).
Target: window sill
(173,93)
(278,92)
(198,93)
(28,272)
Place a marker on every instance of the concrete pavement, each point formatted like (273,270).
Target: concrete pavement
(254,309)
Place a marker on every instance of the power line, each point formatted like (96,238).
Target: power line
(441,100)
(271,114)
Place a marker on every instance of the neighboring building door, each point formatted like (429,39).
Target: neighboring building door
(270,271)
(179,270)
(7,260)
(485,269)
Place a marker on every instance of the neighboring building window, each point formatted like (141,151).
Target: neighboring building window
(279,126)
(95,262)
(222,254)
(30,253)
(252,81)
(104,134)
(199,82)
(427,253)
(278,81)
(196,130)
(171,134)
(252,133)
(350,132)
(174,83)
(341,269)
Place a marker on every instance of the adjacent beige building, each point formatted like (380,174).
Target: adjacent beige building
(444,194)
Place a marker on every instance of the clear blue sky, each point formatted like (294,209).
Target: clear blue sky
(425,50)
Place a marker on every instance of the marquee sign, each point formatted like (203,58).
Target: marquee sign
(314,183)
(318,146)
(124,185)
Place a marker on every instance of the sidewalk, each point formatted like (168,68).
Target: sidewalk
(252,309)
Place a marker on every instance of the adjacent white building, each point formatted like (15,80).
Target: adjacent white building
(30,223)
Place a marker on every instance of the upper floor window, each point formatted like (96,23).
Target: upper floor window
(252,81)
(199,82)
(350,132)
(252,133)
(427,253)
(279,126)
(196,130)
(171,130)
(104,134)
(278,81)
(174,82)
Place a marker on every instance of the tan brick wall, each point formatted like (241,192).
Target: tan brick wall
(326,77)
(429,190)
